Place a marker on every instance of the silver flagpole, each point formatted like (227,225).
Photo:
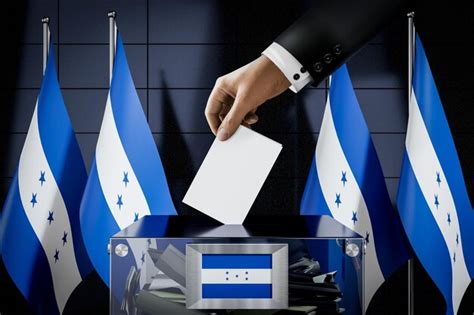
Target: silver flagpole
(411,262)
(45,22)
(112,41)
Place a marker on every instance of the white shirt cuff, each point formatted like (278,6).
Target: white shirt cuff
(289,65)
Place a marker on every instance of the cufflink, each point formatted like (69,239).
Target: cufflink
(318,67)
(327,58)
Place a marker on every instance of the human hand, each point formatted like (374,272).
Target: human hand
(237,95)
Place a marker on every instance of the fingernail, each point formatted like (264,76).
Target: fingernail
(222,134)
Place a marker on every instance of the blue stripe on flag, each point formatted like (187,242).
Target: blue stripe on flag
(97,224)
(236,291)
(426,239)
(437,126)
(237,261)
(356,142)
(59,141)
(24,257)
(313,201)
(132,125)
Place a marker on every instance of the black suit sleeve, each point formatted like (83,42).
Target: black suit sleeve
(333,30)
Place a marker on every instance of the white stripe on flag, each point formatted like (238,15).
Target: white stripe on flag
(112,164)
(425,164)
(48,204)
(234,276)
(330,163)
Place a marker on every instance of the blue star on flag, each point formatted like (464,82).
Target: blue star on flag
(438,179)
(457,239)
(50,217)
(338,200)
(354,216)
(454,257)
(56,256)
(136,217)
(148,242)
(33,200)
(64,238)
(344,179)
(119,201)
(436,202)
(449,218)
(143,258)
(125,178)
(42,179)
(367,234)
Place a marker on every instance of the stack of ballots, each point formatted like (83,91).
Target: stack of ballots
(311,290)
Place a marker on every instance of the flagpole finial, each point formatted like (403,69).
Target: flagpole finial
(112,40)
(411,14)
(45,22)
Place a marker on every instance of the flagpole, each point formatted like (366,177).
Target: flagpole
(112,41)
(45,22)
(411,262)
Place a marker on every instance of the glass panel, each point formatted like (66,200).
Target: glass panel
(149,275)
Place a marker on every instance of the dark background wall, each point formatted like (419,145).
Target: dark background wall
(177,48)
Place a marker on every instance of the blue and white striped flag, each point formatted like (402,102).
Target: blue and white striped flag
(126,180)
(42,245)
(346,182)
(236,276)
(432,197)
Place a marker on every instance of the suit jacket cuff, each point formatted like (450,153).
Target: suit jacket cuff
(289,65)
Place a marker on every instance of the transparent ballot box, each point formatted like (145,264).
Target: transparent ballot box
(268,265)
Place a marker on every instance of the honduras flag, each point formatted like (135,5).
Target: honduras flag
(127,180)
(346,183)
(236,276)
(432,198)
(42,244)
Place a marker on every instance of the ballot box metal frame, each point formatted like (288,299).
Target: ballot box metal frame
(202,229)
(279,299)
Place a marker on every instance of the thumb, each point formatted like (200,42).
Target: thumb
(232,120)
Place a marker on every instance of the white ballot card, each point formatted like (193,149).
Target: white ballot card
(231,175)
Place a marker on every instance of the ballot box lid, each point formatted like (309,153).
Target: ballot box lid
(187,226)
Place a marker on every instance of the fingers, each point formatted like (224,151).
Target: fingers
(251,118)
(225,110)
(232,120)
(214,106)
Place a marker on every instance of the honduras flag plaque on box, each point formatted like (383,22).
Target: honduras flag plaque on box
(237,276)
